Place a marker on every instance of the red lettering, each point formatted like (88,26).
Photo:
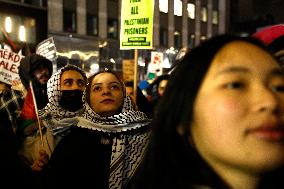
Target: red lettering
(10,57)
(5,56)
(13,68)
(10,67)
(17,58)
(2,64)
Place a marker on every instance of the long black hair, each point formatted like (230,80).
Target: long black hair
(171,162)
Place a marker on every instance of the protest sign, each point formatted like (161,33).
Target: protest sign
(156,64)
(47,49)
(9,63)
(136,24)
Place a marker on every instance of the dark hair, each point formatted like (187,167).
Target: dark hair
(152,89)
(91,78)
(169,155)
(29,64)
(276,46)
(75,68)
(141,101)
(129,84)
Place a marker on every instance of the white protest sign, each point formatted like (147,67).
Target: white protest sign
(156,64)
(47,49)
(9,63)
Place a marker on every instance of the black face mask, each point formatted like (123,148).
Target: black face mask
(71,100)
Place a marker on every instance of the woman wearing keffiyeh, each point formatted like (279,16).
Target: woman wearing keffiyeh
(108,143)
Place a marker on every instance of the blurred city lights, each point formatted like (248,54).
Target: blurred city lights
(22,33)
(8,24)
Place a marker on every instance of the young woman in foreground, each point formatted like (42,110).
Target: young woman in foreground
(220,124)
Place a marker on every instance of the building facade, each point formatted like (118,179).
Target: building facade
(86,32)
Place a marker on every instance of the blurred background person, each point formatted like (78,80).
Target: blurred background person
(34,69)
(141,101)
(156,89)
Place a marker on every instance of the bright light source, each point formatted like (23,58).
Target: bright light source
(166,63)
(215,17)
(112,60)
(94,68)
(178,8)
(8,24)
(22,33)
(191,10)
(163,6)
(171,51)
(141,62)
(204,14)
(176,33)
(203,38)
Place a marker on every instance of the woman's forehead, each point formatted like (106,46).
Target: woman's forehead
(242,55)
(105,78)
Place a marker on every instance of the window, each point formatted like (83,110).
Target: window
(92,17)
(215,17)
(18,28)
(69,16)
(178,8)
(191,40)
(191,10)
(163,37)
(163,6)
(204,14)
(177,39)
(112,31)
(40,3)
(92,25)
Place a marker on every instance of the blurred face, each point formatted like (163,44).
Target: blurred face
(129,91)
(42,74)
(106,95)
(238,113)
(162,87)
(72,80)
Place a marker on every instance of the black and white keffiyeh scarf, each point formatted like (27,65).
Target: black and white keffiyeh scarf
(130,131)
(54,116)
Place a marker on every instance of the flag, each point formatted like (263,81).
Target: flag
(9,41)
(28,110)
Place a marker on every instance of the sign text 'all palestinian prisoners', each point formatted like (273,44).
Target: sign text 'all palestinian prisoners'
(136,24)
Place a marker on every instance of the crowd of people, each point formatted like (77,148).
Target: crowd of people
(215,121)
